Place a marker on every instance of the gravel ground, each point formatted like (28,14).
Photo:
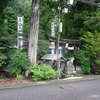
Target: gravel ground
(6,81)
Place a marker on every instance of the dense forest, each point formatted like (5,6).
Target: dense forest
(82,22)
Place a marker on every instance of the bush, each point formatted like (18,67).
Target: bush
(42,72)
(86,66)
(18,63)
(97,66)
(2,60)
(83,60)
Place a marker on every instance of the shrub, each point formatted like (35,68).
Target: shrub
(92,46)
(86,66)
(42,72)
(18,63)
(97,66)
(83,60)
(2,60)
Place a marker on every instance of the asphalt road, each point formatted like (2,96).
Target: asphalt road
(81,90)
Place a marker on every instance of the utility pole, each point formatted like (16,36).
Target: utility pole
(64,10)
(58,39)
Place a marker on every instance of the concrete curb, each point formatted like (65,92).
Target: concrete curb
(71,79)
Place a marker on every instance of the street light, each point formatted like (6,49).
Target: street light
(70,2)
(64,10)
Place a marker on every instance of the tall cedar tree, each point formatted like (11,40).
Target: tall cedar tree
(34,29)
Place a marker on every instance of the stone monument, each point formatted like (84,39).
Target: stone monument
(70,66)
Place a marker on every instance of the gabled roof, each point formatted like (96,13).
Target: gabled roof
(52,57)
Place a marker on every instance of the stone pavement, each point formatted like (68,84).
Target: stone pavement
(71,79)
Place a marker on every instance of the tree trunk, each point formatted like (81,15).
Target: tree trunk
(33,35)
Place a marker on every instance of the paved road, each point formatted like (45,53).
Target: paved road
(82,90)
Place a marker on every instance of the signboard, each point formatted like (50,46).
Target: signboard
(20,32)
(20,25)
(53,29)
(60,27)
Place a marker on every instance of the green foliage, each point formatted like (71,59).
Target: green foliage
(1,77)
(91,22)
(2,60)
(42,72)
(80,55)
(97,66)
(8,24)
(18,63)
(9,20)
(8,34)
(97,62)
(43,48)
(92,44)
(19,77)
(46,17)
(83,60)
(86,66)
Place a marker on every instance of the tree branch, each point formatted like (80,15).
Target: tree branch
(90,2)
